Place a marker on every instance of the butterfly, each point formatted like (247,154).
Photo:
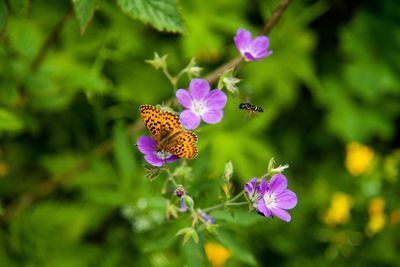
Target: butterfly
(168,132)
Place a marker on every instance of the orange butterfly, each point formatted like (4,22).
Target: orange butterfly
(168,132)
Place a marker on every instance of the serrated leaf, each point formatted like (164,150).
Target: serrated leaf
(9,121)
(84,11)
(162,15)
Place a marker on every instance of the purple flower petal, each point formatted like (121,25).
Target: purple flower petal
(146,144)
(189,119)
(250,186)
(278,183)
(208,218)
(182,206)
(259,44)
(199,88)
(216,99)
(213,116)
(263,54)
(248,56)
(184,98)
(154,160)
(263,187)
(171,159)
(281,214)
(286,200)
(262,208)
(242,39)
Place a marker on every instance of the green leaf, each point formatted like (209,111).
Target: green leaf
(123,153)
(84,11)
(25,36)
(162,15)
(9,121)
(3,15)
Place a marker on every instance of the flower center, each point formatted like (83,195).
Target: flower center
(269,200)
(199,107)
(163,154)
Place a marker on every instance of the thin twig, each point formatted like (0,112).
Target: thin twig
(214,76)
(275,16)
(48,187)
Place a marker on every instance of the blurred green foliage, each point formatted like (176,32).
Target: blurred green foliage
(73,190)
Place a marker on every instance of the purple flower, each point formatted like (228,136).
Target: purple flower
(200,103)
(250,49)
(275,198)
(206,218)
(252,190)
(182,206)
(148,146)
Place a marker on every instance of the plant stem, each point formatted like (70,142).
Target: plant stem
(236,197)
(172,80)
(171,177)
(275,16)
(227,203)
(237,204)
(215,207)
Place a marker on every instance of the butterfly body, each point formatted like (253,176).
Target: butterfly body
(250,107)
(168,132)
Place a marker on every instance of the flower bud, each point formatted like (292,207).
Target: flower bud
(228,81)
(228,171)
(192,69)
(179,191)
(279,169)
(188,201)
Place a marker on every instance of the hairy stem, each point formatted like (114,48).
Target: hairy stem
(230,202)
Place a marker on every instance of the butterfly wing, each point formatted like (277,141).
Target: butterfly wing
(152,119)
(170,124)
(184,146)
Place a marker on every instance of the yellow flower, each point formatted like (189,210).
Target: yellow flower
(339,210)
(358,158)
(377,217)
(376,223)
(217,254)
(376,206)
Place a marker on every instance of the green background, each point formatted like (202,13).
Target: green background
(73,190)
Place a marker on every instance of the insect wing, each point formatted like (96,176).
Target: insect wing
(184,145)
(152,120)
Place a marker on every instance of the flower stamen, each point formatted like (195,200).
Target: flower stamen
(199,107)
